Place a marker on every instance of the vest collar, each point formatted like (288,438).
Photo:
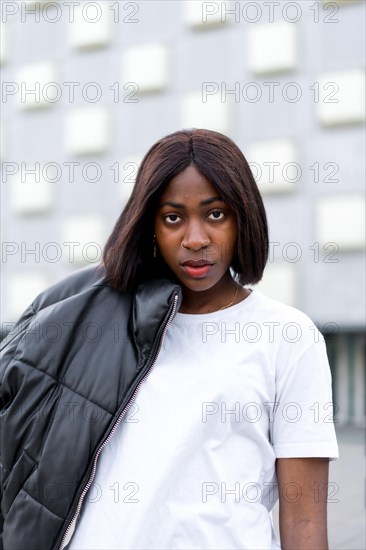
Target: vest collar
(151,307)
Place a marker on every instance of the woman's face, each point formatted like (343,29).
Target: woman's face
(193,223)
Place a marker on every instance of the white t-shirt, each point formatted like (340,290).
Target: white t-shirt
(193,464)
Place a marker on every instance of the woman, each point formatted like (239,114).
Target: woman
(178,405)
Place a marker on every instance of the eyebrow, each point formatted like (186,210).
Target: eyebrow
(202,203)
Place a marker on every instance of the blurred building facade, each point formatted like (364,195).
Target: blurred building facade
(88,87)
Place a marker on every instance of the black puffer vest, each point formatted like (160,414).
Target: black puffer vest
(69,371)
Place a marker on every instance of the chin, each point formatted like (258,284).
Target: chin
(199,285)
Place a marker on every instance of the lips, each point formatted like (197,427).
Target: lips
(196,263)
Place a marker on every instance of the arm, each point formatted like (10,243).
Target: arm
(303,490)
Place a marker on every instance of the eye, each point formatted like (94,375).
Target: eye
(217,212)
(171,216)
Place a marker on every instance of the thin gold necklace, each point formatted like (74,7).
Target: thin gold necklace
(232,301)
(227,305)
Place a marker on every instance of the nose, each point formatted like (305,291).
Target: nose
(195,237)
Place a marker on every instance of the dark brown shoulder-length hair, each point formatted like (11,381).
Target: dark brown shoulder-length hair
(128,253)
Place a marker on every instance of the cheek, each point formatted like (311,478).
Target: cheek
(230,231)
(230,242)
(168,243)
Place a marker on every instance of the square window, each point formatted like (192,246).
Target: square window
(87,131)
(92,25)
(272,48)
(37,85)
(212,115)
(3,43)
(31,196)
(341,98)
(274,165)
(341,220)
(205,14)
(147,66)
(83,239)
(279,282)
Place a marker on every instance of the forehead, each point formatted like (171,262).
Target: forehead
(187,184)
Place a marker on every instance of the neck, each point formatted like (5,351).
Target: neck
(213,299)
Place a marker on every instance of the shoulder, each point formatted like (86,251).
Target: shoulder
(293,324)
(76,283)
(275,308)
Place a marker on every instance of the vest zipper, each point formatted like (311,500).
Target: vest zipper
(71,527)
